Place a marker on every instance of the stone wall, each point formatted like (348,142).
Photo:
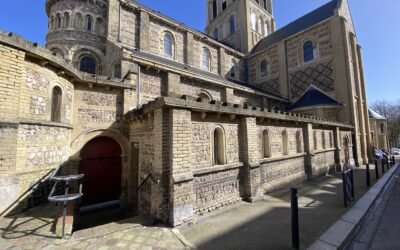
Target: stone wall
(323,161)
(280,173)
(194,88)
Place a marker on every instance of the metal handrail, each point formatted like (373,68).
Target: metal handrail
(67,196)
(145,180)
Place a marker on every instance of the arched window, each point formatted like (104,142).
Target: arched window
(56,104)
(267,28)
(215,33)
(204,96)
(99,26)
(233,68)
(298,143)
(89,22)
(223,4)
(266,144)
(323,140)
(260,26)
(285,148)
(253,21)
(330,140)
(51,25)
(57,51)
(315,140)
(308,51)
(205,59)
(232,24)
(214,9)
(58,21)
(168,45)
(264,68)
(382,127)
(78,21)
(66,20)
(87,64)
(218,147)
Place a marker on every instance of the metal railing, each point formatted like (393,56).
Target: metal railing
(66,196)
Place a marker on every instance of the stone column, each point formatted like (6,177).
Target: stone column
(338,149)
(189,49)
(182,197)
(309,150)
(144,31)
(173,85)
(252,181)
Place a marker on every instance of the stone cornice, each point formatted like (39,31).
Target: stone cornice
(38,52)
(235,110)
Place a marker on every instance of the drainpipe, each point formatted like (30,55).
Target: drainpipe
(138,87)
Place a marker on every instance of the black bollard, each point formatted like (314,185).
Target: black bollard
(383,165)
(295,219)
(376,170)
(368,176)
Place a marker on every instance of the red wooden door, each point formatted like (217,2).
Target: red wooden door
(102,166)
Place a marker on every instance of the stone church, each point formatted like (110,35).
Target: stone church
(170,122)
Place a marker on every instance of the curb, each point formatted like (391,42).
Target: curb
(182,239)
(339,234)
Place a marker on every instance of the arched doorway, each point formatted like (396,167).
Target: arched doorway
(101,163)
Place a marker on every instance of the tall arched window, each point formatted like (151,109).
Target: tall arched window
(330,140)
(168,45)
(233,68)
(89,23)
(88,64)
(218,147)
(315,140)
(382,127)
(266,144)
(215,33)
(205,59)
(267,28)
(99,26)
(323,140)
(223,4)
(260,27)
(58,21)
(308,51)
(253,20)
(214,9)
(298,142)
(66,20)
(232,24)
(56,104)
(285,148)
(78,21)
(51,26)
(263,68)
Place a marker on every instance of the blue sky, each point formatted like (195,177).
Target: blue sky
(377,24)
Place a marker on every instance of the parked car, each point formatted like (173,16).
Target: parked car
(379,154)
(395,151)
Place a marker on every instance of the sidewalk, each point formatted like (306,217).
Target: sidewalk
(381,229)
(267,224)
(261,225)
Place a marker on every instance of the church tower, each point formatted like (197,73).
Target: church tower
(77,32)
(240,24)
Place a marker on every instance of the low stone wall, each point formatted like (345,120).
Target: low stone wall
(323,161)
(282,172)
(216,188)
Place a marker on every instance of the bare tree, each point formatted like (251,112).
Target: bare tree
(391,111)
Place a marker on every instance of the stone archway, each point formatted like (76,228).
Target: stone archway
(101,163)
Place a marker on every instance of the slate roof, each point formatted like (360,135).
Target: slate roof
(163,60)
(374,115)
(314,97)
(324,12)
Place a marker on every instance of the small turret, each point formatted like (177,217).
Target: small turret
(77,32)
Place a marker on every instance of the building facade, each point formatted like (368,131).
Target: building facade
(170,122)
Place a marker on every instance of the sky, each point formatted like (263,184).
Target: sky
(377,25)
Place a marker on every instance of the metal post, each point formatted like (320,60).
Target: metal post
(65,207)
(376,170)
(368,176)
(295,219)
(383,165)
